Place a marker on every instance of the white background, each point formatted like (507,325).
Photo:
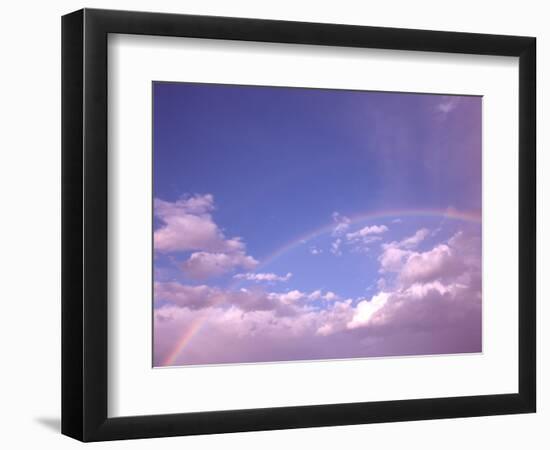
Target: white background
(135,389)
(30,177)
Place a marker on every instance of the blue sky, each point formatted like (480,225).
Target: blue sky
(306,170)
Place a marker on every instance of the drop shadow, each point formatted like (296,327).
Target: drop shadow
(52,423)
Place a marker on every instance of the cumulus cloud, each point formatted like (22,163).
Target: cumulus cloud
(192,297)
(361,239)
(366,309)
(334,319)
(432,306)
(394,254)
(441,262)
(315,295)
(203,297)
(341,222)
(444,261)
(203,265)
(288,298)
(335,247)
(392,258)
(330,296)
(187,225)
(315,250)
(269,277)
(415,239)
(367,231)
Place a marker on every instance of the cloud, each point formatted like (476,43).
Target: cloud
(187,225)
(335,247)
(366,309)
(203,297)
(203,265)
(193,297)
(433,306)
(269,277)
(315,251)
(342,223)
(392,258)
(415,239)
(448,105)
(288,297)
(318,295)
(333,320)
(367,231)
(441,262)
(431,318)
(361,239)
(394,254)
(315,295)
(330,296)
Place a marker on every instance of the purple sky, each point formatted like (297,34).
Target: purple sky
(299,224)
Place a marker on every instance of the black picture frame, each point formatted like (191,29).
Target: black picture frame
(84,224)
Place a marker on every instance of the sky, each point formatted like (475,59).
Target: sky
(305,224)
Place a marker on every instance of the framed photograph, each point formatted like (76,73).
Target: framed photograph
(273,224)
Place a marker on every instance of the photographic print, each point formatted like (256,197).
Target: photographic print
(298,224)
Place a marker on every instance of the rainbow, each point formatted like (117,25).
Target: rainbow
(450,213)
(363,217)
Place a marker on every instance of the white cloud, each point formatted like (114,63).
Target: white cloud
(335,247)
(366,310)
(392,258)
(187,225)
(415,239)
(442,262)
(330,296)
(193,297)
(360,240)
(367,231)
(288,297)
(318,295)
(439,262)
(434,306)
(394,254)
(315,295)
(203,265)
(203,296)
(315,251)
(342,223)
(333,319)
(420,290)
(448,105)
(270,277)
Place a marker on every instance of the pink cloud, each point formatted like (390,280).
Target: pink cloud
(440,262)
(203,265)
(433,306)
(395,253)
(188,225)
